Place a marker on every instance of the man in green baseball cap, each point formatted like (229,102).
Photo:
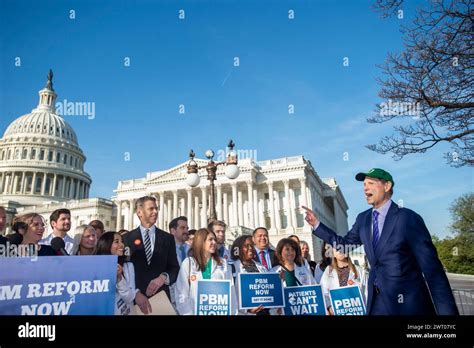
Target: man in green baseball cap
(406,276)
(378,187)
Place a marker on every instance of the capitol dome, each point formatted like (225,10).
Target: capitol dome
(40,158)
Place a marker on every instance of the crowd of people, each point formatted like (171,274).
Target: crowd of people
(150,260)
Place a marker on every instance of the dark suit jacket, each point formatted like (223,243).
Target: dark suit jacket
(272,258)
(405,263)
(163,259)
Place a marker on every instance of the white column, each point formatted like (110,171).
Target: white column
(250,203)
(15,182)
(118,225)
(255,209)
(288,210)
(43,184)
(225,207)
(54,184)
(276,199)
(131,212)
(235,221)
(168,206)
(175,204)
(293,208)
(161,222)
(219,202)
(182,207)
(63,186)
(22,183)
(261,208)
(241,208)
(7,182)
(189,210)
(304,200)
(197,224)
(271,205)
(204,206)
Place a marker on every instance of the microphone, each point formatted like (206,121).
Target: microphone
(57,243)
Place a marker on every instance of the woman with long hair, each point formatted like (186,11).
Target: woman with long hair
(111,243)
(205,263)
(324,263)
(243,254)
(35,227)
(341,272)
(85,240)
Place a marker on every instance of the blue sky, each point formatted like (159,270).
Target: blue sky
(191,62)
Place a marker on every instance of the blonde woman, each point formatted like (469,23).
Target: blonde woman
(85,240)
(32,235)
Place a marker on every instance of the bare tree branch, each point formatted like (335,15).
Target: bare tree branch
(430,83)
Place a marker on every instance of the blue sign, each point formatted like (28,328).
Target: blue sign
(347,301)
(213,297)
(260,289)
(304,300)
(58,285)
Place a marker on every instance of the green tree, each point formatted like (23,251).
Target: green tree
(457,252)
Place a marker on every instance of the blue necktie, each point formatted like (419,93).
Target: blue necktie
(375,228)
(183,252)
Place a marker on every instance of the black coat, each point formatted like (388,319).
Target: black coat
(163,259)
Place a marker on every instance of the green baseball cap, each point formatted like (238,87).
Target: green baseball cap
(376,173)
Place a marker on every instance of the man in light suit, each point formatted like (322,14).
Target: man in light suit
(406,276)
(153,254)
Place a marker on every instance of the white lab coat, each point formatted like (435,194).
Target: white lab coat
(125,291)
(186,284)
(302,273)
(330,281)
(239,269)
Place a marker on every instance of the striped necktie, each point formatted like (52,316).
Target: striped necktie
(147,243)
(375,228)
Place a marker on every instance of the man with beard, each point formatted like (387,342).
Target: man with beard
(60,221)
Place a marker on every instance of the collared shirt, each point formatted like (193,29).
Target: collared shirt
(68,242)
(383,211)
(151,233)
(267,256)
(178,251)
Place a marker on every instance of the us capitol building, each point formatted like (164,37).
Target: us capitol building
(42,169)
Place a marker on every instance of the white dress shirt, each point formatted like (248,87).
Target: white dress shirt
(68,242)
(151,233)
